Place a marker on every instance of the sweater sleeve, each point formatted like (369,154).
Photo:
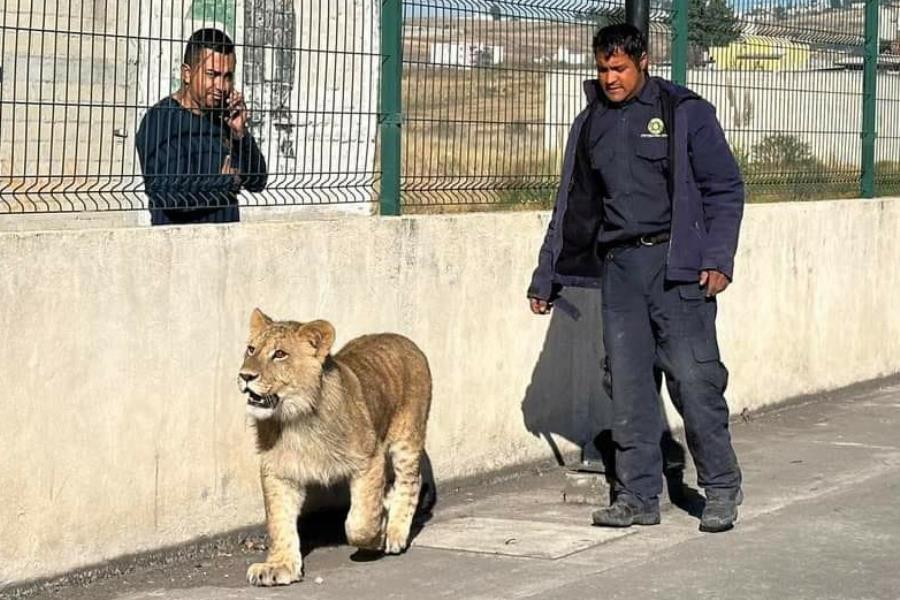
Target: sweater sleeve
(252,164)
(163,148)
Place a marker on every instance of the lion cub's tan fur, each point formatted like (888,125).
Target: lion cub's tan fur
(323,418)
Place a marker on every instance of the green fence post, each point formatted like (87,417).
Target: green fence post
(637,13)
(870,87)
(679,41)
(390,112)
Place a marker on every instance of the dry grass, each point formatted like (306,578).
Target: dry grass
(475,140)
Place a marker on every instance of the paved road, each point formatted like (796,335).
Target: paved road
(820,520)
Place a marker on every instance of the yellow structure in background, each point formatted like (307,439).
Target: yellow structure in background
(760,53)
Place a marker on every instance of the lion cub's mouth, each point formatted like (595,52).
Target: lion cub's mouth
(257,401)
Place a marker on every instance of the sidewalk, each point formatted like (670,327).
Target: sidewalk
(820,520)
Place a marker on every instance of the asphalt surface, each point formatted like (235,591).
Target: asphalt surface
(820,520)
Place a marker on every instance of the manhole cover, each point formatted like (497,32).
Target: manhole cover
(511,537)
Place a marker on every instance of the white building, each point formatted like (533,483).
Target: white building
(564,56)
(466,55)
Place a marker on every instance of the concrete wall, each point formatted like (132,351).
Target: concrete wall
(122,428)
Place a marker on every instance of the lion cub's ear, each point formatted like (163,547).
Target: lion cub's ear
(321,336)
(258,322)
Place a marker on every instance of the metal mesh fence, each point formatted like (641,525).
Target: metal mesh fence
(786,81)
(489,91)
(78,79)
(489,88)
(887,145)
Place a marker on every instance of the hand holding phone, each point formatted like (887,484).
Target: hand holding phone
(235,113)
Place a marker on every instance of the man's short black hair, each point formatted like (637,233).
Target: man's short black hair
(208,38)
(621,37)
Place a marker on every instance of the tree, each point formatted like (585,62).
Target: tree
(710,23)
(787,162)
(496,12)
(783,152)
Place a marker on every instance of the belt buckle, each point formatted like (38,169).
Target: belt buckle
(644,242)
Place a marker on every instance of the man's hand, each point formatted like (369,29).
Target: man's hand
(237,114)
(714,282)
(229,169)
(540,307)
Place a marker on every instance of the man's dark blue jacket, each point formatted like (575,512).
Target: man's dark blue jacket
(705,188)
(182,155)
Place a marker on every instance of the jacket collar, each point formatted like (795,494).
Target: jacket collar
(649,93)
(593,93)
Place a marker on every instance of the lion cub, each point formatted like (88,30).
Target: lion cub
(322,418)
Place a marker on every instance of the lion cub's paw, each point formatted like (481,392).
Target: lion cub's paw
(394,544)
(274,573)
(370,542)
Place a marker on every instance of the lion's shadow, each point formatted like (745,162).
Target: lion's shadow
(322,524)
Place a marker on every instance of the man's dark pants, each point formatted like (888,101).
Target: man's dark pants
(648,321)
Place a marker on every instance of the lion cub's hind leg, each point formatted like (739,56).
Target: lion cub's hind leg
(364,524)
(405,458)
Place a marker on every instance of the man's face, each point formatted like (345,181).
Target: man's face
(619,76)
(211,80)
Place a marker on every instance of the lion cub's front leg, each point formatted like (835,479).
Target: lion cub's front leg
(284,564)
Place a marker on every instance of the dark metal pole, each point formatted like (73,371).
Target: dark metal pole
(870,89)
(637,13)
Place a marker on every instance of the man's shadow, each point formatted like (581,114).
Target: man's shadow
(322,522)
(569,397)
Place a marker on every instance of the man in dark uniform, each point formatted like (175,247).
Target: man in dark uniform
(194,147)
(649,210)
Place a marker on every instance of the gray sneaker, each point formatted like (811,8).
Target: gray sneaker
(623,514)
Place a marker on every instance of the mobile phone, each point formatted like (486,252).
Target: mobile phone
(224,112)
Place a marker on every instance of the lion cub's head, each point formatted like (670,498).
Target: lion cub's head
(282,370)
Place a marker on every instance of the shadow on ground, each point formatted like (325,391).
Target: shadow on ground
(323,526)
(569,397)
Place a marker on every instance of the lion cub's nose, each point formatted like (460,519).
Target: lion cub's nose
(248,377)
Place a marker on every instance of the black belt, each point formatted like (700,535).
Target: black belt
(651,239)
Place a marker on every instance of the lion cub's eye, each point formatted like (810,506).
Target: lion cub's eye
(278,354)
(250,350)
